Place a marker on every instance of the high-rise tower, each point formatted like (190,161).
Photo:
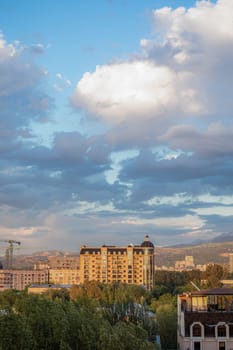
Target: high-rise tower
(133,264)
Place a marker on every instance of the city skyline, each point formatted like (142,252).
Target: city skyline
(115,122)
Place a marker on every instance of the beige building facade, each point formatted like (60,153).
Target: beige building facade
(64,276)
(133,264)
(64,262)
(44,288)
(231,262)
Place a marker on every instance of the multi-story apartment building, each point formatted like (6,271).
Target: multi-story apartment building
(64,270)
(6,280)
(185,265)
(64,262)
(133,264)
(205,320)
(64,276)
(20,279)
(231,262)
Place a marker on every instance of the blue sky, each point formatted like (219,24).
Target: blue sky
(115,122)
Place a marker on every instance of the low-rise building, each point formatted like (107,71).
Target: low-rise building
(43,288)
(205,320)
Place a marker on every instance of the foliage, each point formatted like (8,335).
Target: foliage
(169,280)
(165,299)
(174,282)
(93,316)
(213,274)
(167,326)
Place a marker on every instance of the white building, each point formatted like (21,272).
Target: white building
(205,320)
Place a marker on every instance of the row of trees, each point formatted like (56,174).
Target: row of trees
(92,316)
(174,282)
(99,316)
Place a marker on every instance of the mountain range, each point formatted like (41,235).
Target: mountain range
(216,251)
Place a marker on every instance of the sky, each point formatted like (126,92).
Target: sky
(115,122)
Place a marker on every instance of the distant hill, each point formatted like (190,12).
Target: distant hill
(27,261)
(225,237)
(222,238)
(204,253)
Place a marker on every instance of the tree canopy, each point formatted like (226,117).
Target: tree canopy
(92,316)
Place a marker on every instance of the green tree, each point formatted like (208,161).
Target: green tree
(15,335)
(167,326)
(169,279)
(124,336)
(165,299)
(213,274)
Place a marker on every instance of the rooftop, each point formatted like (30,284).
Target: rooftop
(212,291)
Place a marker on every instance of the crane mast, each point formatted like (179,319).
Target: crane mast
(9,252)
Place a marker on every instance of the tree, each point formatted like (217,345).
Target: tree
(104,317)
(213,274)
(169,279)
(15,334)
(165,299)
(167,326)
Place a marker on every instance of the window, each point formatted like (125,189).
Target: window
(196,330)
(197,345)
(222,331)
(222,345)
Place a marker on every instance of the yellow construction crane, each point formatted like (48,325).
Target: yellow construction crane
(9,252)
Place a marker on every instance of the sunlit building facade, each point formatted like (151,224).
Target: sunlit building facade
(20,279)
(64,262)
(231,262)
(133,264)
(64,276)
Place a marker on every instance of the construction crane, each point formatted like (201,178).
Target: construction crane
(9,252)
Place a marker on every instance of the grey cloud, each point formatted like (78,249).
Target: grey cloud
(190,174)
(215,142)
(22,98)
(38,48)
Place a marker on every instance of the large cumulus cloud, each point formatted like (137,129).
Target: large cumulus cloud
(185,70)
(128,91)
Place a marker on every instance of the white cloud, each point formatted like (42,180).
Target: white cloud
(187,222)
(217,210)
(128,91)
(61,83)
(175,74)
(6,50)
(125,89)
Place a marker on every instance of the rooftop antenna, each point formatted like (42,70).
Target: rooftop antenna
(194,285)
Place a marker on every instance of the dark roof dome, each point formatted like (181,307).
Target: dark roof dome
(147,242)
